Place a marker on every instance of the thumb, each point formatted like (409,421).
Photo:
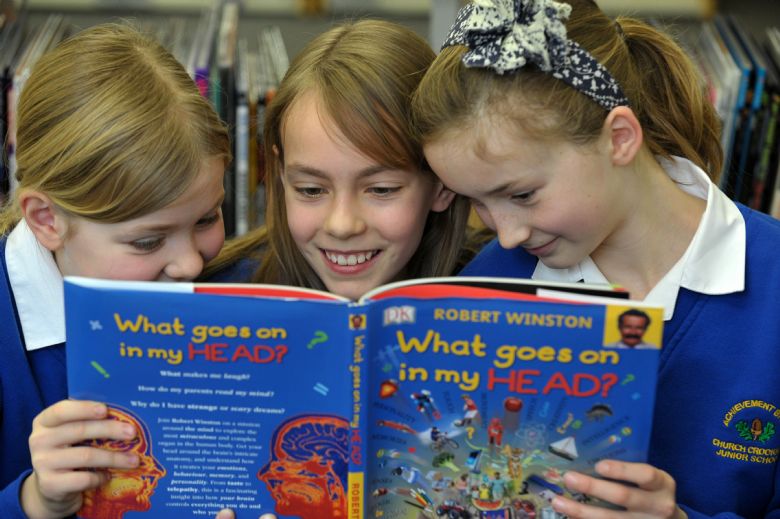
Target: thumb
(226,514)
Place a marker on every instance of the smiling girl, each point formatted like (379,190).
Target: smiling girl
(352,203)
(120,170)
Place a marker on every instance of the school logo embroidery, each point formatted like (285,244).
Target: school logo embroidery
(756,431)
(751,425)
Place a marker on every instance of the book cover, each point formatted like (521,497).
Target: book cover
(451,399)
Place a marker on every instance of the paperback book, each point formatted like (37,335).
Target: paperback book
(450,397)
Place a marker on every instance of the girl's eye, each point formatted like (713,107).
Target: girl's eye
(208,221)
(524,197)
(147,244)
(310,192)
(384,191)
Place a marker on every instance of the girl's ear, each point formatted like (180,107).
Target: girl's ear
(625,134)
(48,226)
(442,198)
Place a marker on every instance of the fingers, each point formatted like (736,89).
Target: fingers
(656,493)
(73,422)
(72,482)
(643,475)
(574,510)
(653,493)
(73,433)
(69,411)
(84,457)
(226,514)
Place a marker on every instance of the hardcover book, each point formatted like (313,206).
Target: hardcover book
(451,397)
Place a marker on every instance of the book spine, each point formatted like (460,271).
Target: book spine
(358,426)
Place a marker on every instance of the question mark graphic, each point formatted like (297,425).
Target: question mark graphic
(470,430)
(608,380)
(281,351)
(629,378)
(319,337)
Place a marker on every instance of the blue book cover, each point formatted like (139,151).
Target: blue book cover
(477,407)
(428,400)
(234,397)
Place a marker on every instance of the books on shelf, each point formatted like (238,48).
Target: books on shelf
(770,157)
(432,397)
(738,66)
(741,73)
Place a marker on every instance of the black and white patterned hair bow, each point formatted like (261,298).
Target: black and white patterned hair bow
(505,35)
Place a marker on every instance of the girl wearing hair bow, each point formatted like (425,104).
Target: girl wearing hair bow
(589,145)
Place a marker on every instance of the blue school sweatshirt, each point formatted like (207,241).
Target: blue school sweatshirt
(30,381)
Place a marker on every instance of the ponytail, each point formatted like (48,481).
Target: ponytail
(670,98)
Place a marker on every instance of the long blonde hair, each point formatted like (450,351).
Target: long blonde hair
(364,74)
(665,91)
(111,127)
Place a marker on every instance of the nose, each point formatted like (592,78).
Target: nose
(511,233)
(345,218)
(186,262)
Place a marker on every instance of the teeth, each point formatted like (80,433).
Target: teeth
(349,259)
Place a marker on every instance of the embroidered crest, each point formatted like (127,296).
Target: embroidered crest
(751,426)
(756,431)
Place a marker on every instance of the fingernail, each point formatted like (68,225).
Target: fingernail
(572,479)
(559,505)
(225,514)
(99,410)
(603,468)
(133,460)
(128,431)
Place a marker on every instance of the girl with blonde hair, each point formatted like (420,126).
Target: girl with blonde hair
(120,171)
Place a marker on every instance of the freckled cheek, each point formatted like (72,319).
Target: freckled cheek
(568,223)
(213,243)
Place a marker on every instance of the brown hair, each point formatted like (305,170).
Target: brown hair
(364,74)
(663,86)
(111,127)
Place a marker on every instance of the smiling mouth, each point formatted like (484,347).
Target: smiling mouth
(541,249)
(343,259)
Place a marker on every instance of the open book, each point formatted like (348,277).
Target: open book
(450,397)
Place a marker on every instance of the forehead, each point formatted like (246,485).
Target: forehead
(491,140)
(476,159)
(308,118)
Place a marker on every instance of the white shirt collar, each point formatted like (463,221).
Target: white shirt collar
(37,287)
(714,262)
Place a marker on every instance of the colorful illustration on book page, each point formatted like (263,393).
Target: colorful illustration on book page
(307,473)
(477,408)
(129,489)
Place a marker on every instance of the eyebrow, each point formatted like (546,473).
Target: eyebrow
(309,170)
(168,227)
(499,189)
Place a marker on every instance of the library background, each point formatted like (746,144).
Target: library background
(238,50)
